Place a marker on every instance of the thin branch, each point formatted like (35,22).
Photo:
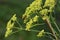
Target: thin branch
(51,28)
(38,24)
(19,24)
(30,30)
(55,24)
(49,37)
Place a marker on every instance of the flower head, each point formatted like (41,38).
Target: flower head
(41,33)
(34,6)
(10,25)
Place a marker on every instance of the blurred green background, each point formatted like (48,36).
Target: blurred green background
(10,7)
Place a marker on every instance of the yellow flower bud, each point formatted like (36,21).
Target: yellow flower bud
(49,3)
(8,32)
(35,18)
(14,17)
(41,33)
(36,5)
(28,25)
(10,25)
(44,12)
(45,17)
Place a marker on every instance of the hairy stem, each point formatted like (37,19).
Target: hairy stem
(51,28)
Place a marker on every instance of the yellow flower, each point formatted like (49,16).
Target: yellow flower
(28,25)
(41,33)
(10,25)
(31,21)
(36,5)
(49,3)
(14,17)
(35,18)
(44,12)
(45,17)
(8,32)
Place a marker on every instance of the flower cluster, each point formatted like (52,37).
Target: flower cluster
(10,25)
(41,33)
(29,24)
(34,6)
(50,4)
(35,18)
(37,5)
(43,11)
(48,8)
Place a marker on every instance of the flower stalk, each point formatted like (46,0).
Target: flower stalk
(51,28)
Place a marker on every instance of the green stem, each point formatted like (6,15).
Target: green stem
(51,28)
(19,24)
(19,29)
(55,24)
(38,24)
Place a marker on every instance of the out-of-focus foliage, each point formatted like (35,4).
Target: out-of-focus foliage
(10,7)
